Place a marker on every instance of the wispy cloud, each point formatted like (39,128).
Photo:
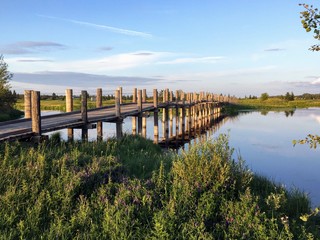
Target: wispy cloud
(34,60)
(105,49)
(274,49)
(103,27)
(98,65)
(49,82)
(26,47)
(143,54)
(194,60)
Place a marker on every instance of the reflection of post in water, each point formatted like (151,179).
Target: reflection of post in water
(155,117)
(69,108)
(144,126)
(134,125)
(139,112)
(98,105)
(118,114)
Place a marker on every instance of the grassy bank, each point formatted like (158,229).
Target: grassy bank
(132,190)
(276,103)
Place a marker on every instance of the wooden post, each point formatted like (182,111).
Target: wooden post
(183,118)
(84,115)
(134,96)
(144,119)
(155,117)
(139,112)
(36,114)
(99,105)
(166,126)
(171,122)
(69,108)
(177,116)
(144,95)
(189,117)
(27,104)
(120,94)
(118,114)
(134,125)
(171,115)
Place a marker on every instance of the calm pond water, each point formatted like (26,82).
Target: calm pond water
(264,141)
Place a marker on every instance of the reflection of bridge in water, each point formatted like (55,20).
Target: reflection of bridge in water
(194,113)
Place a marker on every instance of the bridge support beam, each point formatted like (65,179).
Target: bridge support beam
(118,114)
(99,105)
(155,117)
(139,105)
(69,108)
(36,115)
(27,104)
(84,115)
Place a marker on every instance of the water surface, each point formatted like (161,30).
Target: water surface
(265,143)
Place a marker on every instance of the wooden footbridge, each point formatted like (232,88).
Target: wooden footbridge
(192,111)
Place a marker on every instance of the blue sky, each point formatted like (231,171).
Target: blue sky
(237,47)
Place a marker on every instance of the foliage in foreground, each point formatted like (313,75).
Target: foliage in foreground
(132,190)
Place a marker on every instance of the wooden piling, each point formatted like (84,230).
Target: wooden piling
(84,115)
(99,105)
(183,118)
(36,114)
(144,119)
(134,96)
(118,114)
(120,94)
(155,117)
(27,104)
(144,95)
(139,104)
(69,108)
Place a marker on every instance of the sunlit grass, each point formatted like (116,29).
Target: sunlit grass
(130,189)
(273,103)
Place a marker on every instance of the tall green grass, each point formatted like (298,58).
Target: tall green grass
(130,189)
(276,103)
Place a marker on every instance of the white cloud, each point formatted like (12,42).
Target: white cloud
(96,66)
(104,27)
(194,60)
(220,74)
(316,82)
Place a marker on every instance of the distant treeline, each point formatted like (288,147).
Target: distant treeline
(290,96)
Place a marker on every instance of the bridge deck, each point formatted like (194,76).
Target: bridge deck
(21,128)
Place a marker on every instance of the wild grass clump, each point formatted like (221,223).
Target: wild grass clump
(130,189)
